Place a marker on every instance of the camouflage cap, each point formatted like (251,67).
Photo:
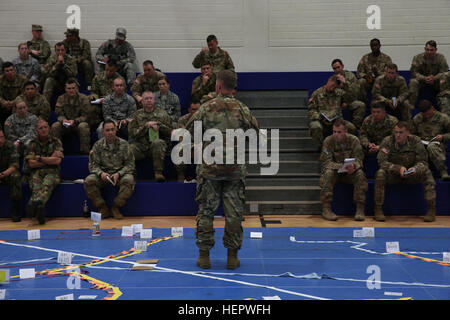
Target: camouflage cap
(73,31)
(121,33)
(36,27)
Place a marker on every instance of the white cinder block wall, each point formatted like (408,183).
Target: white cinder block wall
(261,35)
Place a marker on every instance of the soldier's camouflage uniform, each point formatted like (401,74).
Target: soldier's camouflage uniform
(76,108)
(117,108)
(44,49)
(30,68)
(114,158)
(375,131)
(9,157)
(81,52)
(392,157)
(215,181)
(170,103)
(140,143)
(199,89)
(421,67)
(365,67)
(57,74)
(384,90)
(332,158)
(353,98)
(443,97)
(427,129)
(219,61)
(38,105)
(144,83)
(329,104)
(43,180)
(21,129)
(9,91)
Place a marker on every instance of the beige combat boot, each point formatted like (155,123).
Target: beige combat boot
(159,176)
(431,214)
(116,212)
(359,215)
(444,175)
(232,260)
(327,214)
(379,215)
(104,211)
(203,259)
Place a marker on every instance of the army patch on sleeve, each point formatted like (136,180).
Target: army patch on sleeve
(384,150)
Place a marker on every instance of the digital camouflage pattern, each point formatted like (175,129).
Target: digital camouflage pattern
(219,61)
(38,105)
(375,131)
(9,157)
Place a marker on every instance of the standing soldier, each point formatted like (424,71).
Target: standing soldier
(10,175)
(59,67)
(433,127)
(142,143)
(403,159)
(391,88)
(371,66)
(324,107)
(218,58)
(36,102)
(11,85)
(20,127)
(336,149)
(216,180)
(147,81)
(377,126)
(122,52)
(39,48)
(427,69)
(80,50)
(204,83)
(72,112)
(110,162)
(44,156)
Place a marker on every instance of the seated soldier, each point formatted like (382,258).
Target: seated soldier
(377,126)
(392,89)
(110,162)
(39,48)
(102,86)
(371,66)
(11,85)
(36,102)
(443,97)
(324,107)
(147,81)
(427,69)
(119,107)
(122,52)
(352,100)
(167,100)
(149,134)
(10,175)
(433,127)
(27,65)
(20,127)
(335,150)
(403,159)
(204,83)
(59,67)
(71,109)
(44,156)
(80,50)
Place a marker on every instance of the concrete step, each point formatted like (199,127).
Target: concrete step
(282,193)
(283,121)
(281,181)
(284,207)
(277,112)
(285,167)
(285,98)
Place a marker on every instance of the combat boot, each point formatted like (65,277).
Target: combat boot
(31,209)
(379,215)
(359,215)
(116,213)
(15,210)
(444,175)
(431,214)
(40,213)
(203,259)
(180,177)
(327,214)
(104,211)
(159,176)
(232,260)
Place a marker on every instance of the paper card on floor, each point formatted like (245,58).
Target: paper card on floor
(358,234)
(2,294)
(256,235)
(28,273)
(4,276)
(292,238)
(34,234)
(392,247)
(87,297)
(137,227)
(127,231)
(146,233)
(96,216)
(369,232)
(177,231)
(65,257)
(140,245)
(397,294)
(446,257)
(272,298)
(65,297)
